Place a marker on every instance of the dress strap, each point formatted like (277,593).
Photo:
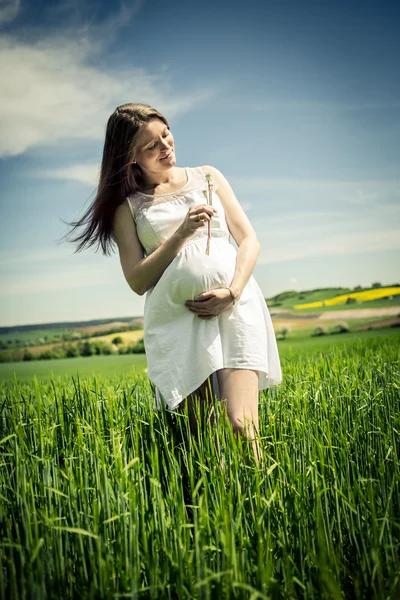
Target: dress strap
(131,209)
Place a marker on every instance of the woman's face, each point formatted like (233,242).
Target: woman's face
(155,143)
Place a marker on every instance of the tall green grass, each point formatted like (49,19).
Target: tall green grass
(102,497)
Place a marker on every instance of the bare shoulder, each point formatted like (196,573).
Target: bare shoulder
(123,210)
(124,221)
(208,169)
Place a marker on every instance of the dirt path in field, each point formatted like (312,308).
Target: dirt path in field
(359,313)
(380,324)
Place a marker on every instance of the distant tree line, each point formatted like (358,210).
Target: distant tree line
(82,348)
(131,323)
(68,336)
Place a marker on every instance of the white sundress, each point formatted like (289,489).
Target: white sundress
(183,350)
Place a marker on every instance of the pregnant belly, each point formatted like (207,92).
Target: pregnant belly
(200,273)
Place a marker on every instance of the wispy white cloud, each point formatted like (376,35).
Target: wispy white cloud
(323,222)
(56,278)
(78,16)
(51,91)
(88,173)
(331,218)
(286,246)
(13,257)
(360,192)
(10,258)
(330,107)
(9,10)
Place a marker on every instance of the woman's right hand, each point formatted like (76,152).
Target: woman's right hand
(191,223)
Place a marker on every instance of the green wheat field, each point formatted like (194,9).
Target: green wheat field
(103,497)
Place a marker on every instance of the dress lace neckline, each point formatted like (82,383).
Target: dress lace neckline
(168,193)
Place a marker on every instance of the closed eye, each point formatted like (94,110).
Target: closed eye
(154,145)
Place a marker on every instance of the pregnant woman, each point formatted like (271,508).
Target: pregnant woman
(206,323)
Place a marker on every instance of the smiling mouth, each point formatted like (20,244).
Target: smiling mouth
(168,155)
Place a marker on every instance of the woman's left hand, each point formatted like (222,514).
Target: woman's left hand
(210,304)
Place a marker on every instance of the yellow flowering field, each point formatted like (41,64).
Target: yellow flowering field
(364,296)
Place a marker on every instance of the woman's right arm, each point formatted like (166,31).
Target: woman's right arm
(143,273)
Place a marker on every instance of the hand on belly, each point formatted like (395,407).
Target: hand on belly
(200,274)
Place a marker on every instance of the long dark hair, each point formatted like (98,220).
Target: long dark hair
(118,176)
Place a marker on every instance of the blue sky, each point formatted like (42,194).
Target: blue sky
(297,104)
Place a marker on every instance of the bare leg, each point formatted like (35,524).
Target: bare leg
(239,394)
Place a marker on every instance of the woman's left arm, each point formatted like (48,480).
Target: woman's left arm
(240,229)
